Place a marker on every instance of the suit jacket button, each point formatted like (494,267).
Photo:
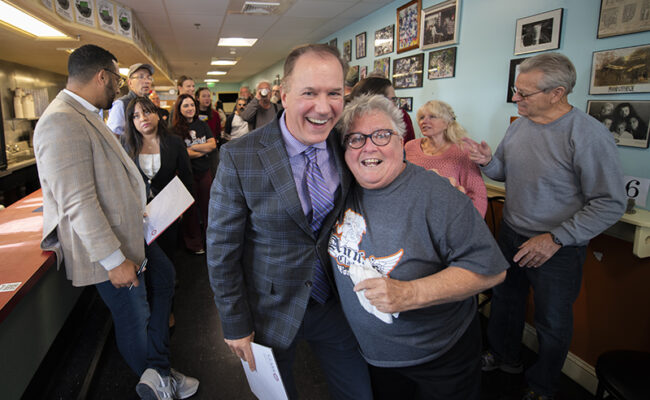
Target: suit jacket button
(308,283)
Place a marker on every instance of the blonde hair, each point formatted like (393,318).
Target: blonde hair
(439,109)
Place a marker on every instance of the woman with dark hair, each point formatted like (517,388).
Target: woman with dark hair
(199,142)
(159,156)
(210,116)
(384,87)
(206,113)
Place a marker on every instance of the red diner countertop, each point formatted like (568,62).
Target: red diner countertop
(21,258)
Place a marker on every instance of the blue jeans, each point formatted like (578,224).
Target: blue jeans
(327,331)
(556,285)
(141,315)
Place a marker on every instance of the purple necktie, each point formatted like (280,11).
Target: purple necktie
(321,205)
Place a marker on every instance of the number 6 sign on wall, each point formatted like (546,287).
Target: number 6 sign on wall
(637,189)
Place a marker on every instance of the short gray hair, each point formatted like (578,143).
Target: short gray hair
(366,104)
(558,71)
(262,81)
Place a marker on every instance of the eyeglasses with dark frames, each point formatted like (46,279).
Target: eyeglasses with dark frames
(515,91)
(121,81)
(380,137)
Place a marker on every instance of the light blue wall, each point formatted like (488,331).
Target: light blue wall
(224,87)
(268,74)
(485,48)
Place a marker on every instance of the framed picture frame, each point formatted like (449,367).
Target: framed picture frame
(363,73)
(405,103)
(382,66)
(440,24)
(360,42)
(538,32)
(442,63)
(384,40)
(347,50)
(512,76)
(623,70)
(353,75)
(408,71)
(627,120)
(408,26)
(333,43)
(623,17)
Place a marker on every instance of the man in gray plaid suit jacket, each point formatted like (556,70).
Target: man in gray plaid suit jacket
(261,250)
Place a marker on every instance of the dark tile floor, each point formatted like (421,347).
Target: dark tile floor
(198,350)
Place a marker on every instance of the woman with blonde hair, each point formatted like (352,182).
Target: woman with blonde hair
(441,150)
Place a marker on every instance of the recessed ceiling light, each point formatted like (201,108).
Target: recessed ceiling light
(26,23)
(211,80)
(237,42)
(217,72)
(223,62)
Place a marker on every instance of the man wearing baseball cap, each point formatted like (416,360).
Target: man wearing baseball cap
(140,83)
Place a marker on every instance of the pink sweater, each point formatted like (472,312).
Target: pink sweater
(453,163)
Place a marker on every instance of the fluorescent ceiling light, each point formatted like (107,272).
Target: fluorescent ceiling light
(263,3)
(223,62)
(236,42)
(20,20)
(211,80)
(216,72)
(124,71)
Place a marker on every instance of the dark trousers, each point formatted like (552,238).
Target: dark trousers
(141,315)
(456,375)
(556,285)
(330,338)
(195,219)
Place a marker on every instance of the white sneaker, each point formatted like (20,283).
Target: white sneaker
(183,386)
(152,386)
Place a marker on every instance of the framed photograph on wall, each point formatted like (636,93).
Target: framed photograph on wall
(512,76)
(408,71)
(628,121)
(442,63)
(405,103)
(360,41)
(353,75)
(384,40)
(347,50)
(623,70)
(363,72)
(382,65)
(623,17)
(333,42)
(538,32)
(408,26)
(440,24)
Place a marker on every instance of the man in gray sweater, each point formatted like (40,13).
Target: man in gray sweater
(564,185)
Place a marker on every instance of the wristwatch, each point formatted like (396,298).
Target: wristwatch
(556,240)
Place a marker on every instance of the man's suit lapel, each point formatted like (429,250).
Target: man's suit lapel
(276,164)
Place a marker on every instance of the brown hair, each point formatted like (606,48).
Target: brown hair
(318,48)
(179,122)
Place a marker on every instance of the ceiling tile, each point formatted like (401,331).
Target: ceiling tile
(314,8)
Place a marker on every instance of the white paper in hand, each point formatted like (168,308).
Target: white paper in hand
(166,208)
(265,381)
(360,272)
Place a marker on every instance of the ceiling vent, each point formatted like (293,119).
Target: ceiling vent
(260,7)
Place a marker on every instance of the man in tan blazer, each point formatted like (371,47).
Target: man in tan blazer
(93,207)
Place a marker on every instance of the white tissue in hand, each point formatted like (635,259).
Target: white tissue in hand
(360,272)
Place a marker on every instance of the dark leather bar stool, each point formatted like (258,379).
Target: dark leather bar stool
(624,374)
